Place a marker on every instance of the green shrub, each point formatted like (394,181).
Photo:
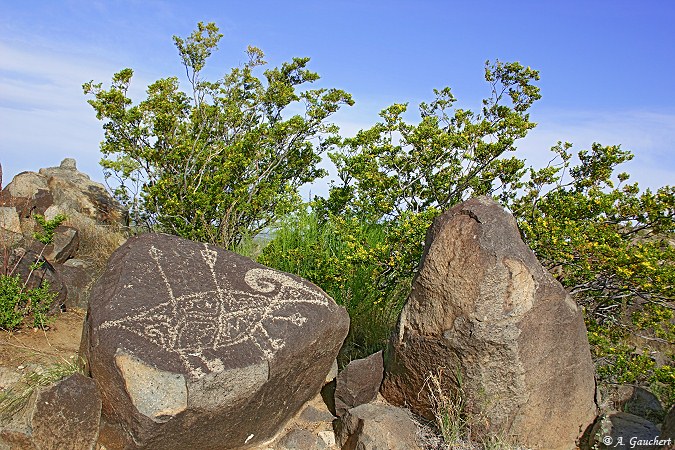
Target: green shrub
(343,256)
(18,303)
(11,300)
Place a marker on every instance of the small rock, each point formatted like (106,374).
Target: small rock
(9,219)
(64,245)
(314,415)
(62,416)
(328,438)
(300,439)
(358,383)
(10,227)
(78,284)
(376,426)
(333,372)
(645,404)
(79,263)
(67,415)
(68,164)
(616,430)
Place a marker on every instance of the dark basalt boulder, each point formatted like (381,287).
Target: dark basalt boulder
(196,347)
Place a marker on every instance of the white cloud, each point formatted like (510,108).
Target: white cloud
(43,111)
(648,135)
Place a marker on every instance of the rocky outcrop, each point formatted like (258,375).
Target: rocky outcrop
(192,345)
(376,426)
(61,190)
(493,325)
(49,192)
(63,416)
(358,383)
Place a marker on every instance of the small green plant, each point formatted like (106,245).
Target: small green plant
(46,236)
(14,399)
(17,301)
(11,300)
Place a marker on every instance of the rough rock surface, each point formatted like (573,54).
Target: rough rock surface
(9,219)
(645,404)
(63,416)
(192,345)
(668,426)
(490,322)
(10,227)
(64,245)
(78,283)
(358,383)
(376,426)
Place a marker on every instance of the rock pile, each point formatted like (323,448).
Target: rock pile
(191,346)
(50,192)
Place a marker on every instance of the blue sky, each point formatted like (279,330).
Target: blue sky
(607,67)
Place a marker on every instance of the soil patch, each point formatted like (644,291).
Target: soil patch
(25,349)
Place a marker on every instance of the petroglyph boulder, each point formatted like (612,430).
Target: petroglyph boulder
(490,323)
(196,347)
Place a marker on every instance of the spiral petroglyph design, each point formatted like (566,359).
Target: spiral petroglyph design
(219,316)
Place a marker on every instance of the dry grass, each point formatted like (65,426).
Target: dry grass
(97,241)
(14,399)
(457,424)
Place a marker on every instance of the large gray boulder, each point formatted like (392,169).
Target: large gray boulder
(493,326)
(196,347)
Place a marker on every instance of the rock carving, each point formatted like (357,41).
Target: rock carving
(219,316)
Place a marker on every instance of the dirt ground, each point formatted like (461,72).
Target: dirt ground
(23,350)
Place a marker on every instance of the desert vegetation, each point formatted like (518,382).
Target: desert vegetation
(224,161)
